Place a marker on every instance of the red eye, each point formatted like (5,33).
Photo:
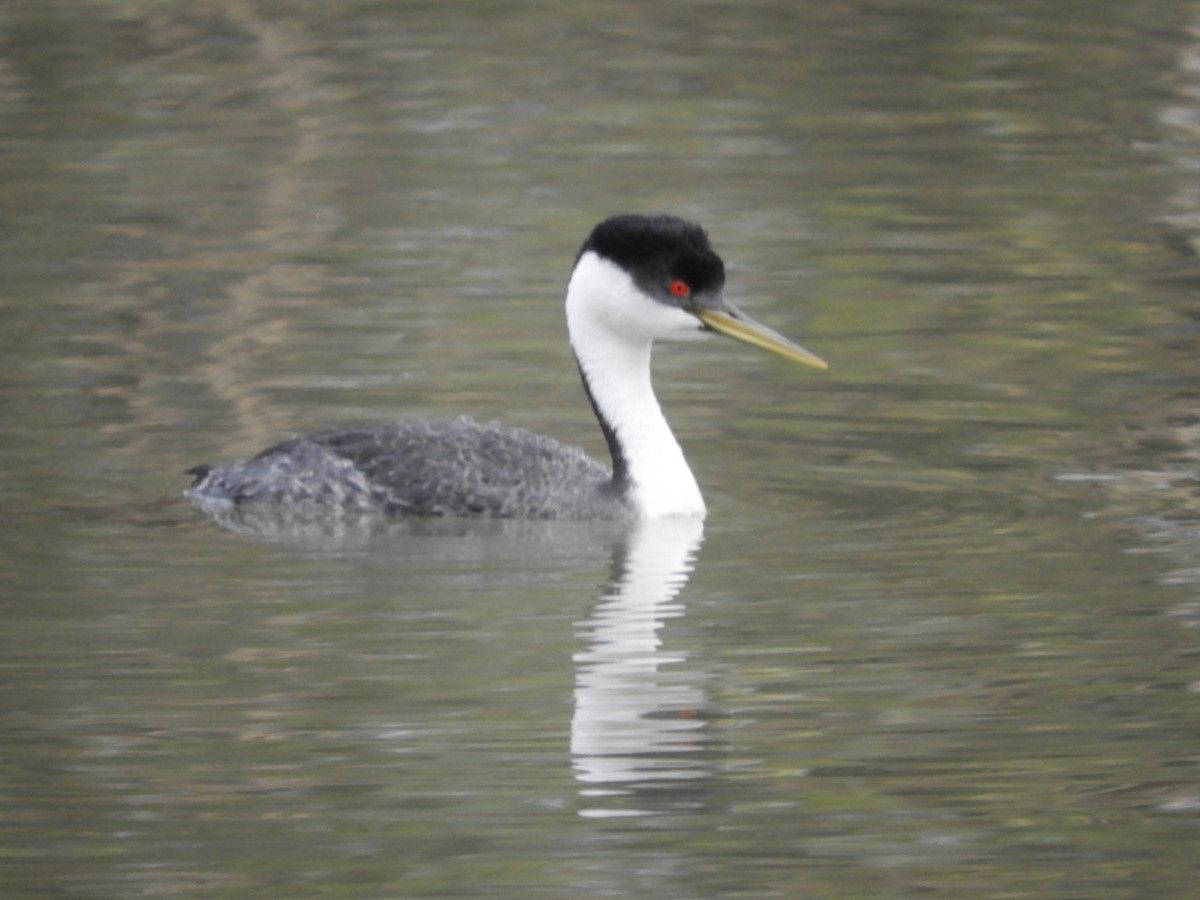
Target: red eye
(680,288)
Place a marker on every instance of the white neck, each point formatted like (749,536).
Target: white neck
(612,327)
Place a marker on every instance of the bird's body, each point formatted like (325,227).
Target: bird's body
(456,467)
(636,279)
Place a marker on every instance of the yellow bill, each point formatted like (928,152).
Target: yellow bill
(734,323)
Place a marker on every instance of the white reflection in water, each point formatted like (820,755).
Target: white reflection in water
(637,732)
(638,714)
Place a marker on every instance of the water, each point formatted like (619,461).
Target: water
(937,636)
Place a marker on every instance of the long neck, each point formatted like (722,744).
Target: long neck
(648,462)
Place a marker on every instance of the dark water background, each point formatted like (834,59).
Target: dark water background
(938,637)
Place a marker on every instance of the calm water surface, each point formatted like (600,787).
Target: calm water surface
(938,636)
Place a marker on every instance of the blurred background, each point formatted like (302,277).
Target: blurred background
(938,635)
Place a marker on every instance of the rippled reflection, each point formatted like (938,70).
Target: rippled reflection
(638,719)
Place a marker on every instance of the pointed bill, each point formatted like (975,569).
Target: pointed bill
(733,322)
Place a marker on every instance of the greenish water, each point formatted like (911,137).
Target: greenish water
(937,636)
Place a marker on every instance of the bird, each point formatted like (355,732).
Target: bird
(636,279)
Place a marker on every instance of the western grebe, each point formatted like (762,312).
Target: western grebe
(636,279)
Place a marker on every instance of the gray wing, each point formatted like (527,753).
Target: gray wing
(451,468)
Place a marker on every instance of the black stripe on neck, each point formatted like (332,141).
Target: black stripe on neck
(620,466)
